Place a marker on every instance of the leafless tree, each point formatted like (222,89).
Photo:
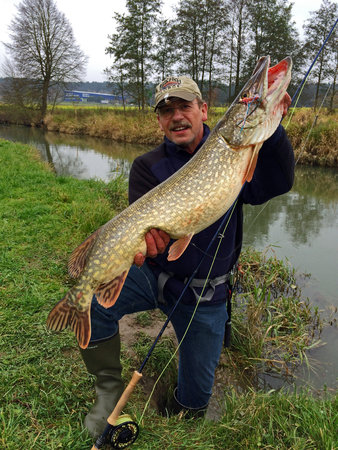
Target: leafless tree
(316,30)
(42,51)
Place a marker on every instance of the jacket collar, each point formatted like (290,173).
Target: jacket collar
(173,148)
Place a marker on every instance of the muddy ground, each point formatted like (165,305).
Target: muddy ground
(130,327)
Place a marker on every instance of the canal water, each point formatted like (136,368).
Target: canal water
(301,226)
(77,156)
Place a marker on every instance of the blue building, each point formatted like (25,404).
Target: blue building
(97,97)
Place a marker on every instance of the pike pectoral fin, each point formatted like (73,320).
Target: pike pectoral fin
(63,315)
(108,293)
(252,164)
(78,258)
(178,247)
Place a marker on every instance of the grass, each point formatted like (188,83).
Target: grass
(35,209)
(45,390)
(131,126)
(314,137)
(273,326)
(144,319)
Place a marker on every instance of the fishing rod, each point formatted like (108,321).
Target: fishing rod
(294,97)
(314,61)
(301,85)
(121,431)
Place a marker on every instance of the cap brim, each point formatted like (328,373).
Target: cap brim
(188,96)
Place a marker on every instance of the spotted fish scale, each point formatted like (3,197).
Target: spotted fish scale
(189,201)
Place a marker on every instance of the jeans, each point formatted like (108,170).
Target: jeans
(201,348)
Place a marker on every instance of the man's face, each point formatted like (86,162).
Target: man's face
(182,122)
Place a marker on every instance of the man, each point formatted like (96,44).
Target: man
(154,282)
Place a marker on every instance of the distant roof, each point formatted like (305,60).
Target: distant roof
(84,94)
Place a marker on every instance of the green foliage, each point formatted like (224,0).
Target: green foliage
(273,33)
(148,46)
(131,47)
(40,225)
(200,29)
(164,57)
(316,31)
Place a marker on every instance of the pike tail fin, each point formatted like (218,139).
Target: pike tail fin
(65,314)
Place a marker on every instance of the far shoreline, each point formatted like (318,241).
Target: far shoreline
(314,135)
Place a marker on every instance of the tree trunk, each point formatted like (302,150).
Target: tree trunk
(318,84)
(44,98)
(333,87)
(239,55)
(239,47)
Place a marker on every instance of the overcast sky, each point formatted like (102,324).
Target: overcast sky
(92,22)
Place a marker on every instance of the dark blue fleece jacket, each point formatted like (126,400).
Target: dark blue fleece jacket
(273,176)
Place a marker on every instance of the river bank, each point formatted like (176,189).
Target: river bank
(313,137)
(46,390)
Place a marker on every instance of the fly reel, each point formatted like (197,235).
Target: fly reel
(123,433)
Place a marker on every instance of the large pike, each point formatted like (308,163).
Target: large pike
(186,203)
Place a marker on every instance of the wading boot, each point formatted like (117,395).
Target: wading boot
(103,361)
(174,407)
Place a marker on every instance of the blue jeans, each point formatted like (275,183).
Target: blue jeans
(201,348)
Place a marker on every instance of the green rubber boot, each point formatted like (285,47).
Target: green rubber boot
(103,361)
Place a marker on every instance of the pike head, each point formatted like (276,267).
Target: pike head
(256,112)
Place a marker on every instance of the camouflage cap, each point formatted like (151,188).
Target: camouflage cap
(181,87)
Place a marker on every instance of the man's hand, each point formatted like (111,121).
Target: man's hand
(286,103)
(157,241)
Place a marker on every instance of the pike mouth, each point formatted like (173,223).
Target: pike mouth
(258,108)
(267,86)
(279,77)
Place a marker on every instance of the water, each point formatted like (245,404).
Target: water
(77,156)
(301,226)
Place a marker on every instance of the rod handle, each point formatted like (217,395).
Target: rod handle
(124,398)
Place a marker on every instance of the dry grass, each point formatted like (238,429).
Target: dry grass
(131,126)
(313,137)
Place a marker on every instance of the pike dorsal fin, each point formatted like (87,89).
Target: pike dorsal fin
(178,247)
(108,293)
(252,163)
(78,258)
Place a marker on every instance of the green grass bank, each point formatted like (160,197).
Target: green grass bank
(45,390)
(314,135)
